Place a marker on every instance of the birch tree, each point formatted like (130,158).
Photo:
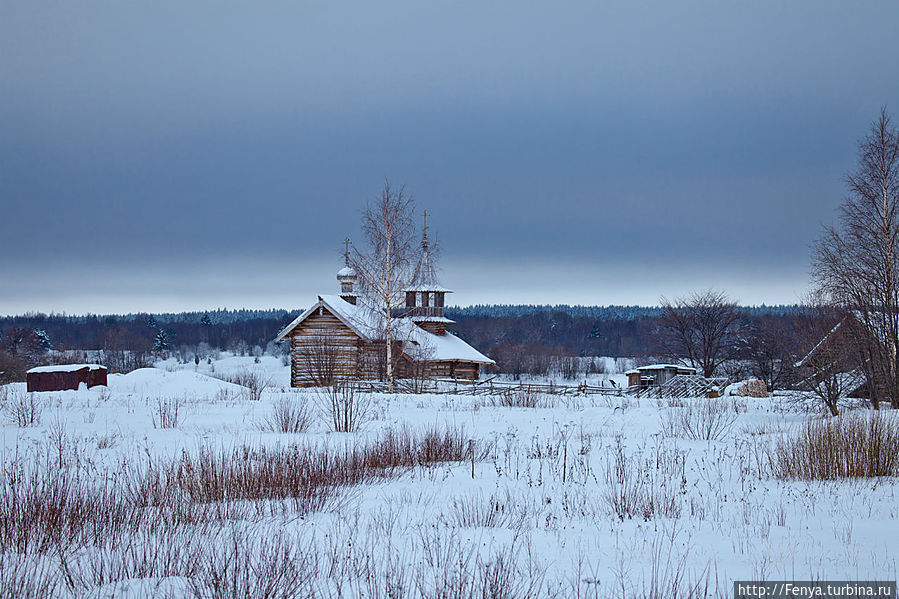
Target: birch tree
(856,261)
(385,265)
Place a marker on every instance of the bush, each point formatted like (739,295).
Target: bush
(23,409)
(288,416)
(26,576)
(703,420)
(403,447)
(12,368)
(848,446)
(495,511)
(344,409)
(253,381)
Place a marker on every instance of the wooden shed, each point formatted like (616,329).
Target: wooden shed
(65,377)
(655,375)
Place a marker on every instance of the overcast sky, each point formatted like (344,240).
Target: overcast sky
(189,155)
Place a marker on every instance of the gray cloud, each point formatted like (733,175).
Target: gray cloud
(687,144)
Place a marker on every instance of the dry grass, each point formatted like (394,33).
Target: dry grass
(644,488)
(27,577)
(47,506)
(451,569)
(495,511)
(165,413)
(849,446)
(526,397)
(255,566)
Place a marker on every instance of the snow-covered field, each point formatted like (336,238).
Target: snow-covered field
(580,497)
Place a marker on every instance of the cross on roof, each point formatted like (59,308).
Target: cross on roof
(346,251)
(426,214)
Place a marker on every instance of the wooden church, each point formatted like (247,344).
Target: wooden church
(340,337)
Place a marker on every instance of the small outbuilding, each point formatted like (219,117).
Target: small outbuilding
(65,377)
(655,375)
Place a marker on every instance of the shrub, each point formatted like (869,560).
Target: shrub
(847,446)
(23,409)
(288,416)
(344,409)
(308,477)
(27,577)
(253,381)
(12,368)
(255,566)
(703,419)
(403,447)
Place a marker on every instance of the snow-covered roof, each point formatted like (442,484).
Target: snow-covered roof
(66,368)
(364,322)
(431,319)
(446,347)
(428,287)
(660,367)
(346,272)
(801,363)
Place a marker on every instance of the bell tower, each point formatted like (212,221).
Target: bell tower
(425,296)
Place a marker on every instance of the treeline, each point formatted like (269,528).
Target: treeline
(222,329)
(535,340)
(594,312)
(561,329)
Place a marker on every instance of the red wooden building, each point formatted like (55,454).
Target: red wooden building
(65,377)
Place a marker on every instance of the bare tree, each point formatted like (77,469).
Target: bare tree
(830,369)
(419,367)
(856,262)
(385,266)
(701,327)
(771,353)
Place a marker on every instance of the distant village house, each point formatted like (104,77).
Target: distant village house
(65,377)
(655,375)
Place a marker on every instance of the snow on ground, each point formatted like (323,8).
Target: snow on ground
(543,498)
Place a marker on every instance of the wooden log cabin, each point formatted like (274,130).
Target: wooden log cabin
(341,337)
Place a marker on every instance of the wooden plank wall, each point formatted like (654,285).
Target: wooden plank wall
(457,369)
(322,344)
(318,340)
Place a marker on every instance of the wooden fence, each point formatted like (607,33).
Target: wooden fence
(489,386)
(679,386)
